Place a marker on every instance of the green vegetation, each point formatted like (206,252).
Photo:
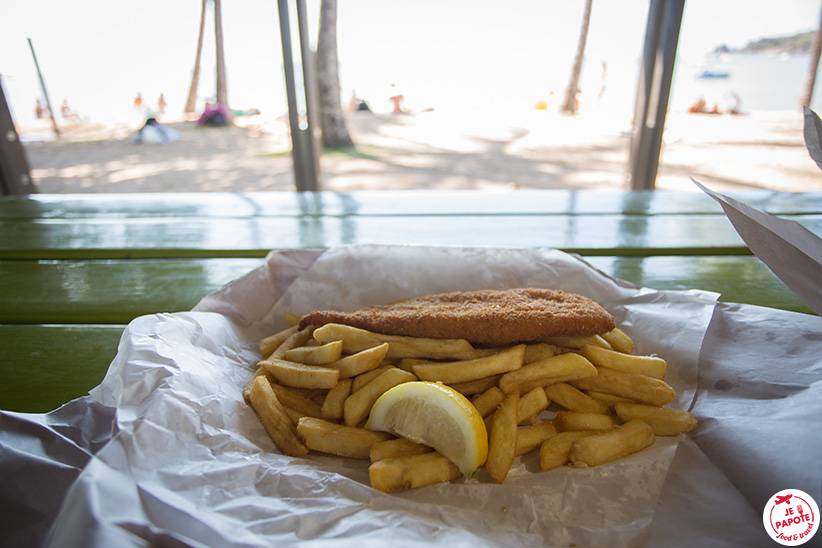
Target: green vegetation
(795,44)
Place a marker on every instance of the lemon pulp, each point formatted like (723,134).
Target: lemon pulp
(435,415)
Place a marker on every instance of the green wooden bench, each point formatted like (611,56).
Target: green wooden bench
(75,269)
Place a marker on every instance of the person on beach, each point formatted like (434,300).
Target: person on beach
(700,106)
(728,103)
(153,133)
(68,114)
(214,114)
(396,98)
(356,104)
(39,110)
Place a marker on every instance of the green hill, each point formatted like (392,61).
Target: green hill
(794,44)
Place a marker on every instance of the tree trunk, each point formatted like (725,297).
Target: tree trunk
(191,103)
(569,104)
(334,131)
(222,87)
(816,49)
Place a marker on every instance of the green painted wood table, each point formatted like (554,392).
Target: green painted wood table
(75,269)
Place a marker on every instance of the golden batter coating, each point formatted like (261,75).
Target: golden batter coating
(483,317)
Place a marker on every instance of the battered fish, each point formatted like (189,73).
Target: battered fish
(483,317)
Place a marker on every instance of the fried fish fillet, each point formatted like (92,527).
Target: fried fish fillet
(483,317)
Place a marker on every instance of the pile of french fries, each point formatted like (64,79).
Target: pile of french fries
(314,388)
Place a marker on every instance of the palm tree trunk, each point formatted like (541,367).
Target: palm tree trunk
(191,103)
(569,104)
(222,87)
(334,131)
(816,50)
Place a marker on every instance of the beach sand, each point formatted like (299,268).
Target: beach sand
(429,150)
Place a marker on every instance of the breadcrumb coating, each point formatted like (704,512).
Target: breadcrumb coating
(483,317)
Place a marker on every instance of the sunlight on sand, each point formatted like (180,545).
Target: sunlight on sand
(433,150)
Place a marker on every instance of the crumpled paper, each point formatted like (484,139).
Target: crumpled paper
(790,250)
(186,462)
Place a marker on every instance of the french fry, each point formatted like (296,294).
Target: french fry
(290,397)
(554,451)
(269,344)
(531,404)
(532,437)
(529,421)
(359,403)
(502,440)
(664,422)
(560,368)
(291,318)
(652,366)
(487,402)
(295,339)
(572,399)
(320,398)
(570,421)
(407,364)
(250,383)
(538,351)
(315,388)
(608,446)
(397,447)
(488,420)
(393,474)
(608,400)
(361,362)
(274,418)
(293,414)
(332,407)
(338,439)
(316,355)
(470,388)
(300,375)
(470,370)
(577,342)
(356,340)
(619,341)
(310,393)
(482,351)
(364,378)
(629,385)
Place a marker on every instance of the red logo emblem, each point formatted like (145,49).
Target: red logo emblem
(791,517)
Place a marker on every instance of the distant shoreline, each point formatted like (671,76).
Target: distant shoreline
(795,44)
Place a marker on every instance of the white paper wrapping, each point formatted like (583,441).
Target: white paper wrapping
(188,463)
(191,461)
(790,250)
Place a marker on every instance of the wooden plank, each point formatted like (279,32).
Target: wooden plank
(45,366)
(254,237)
(410,202)
(743,280)
(97,292)
(189,238)
(109,291)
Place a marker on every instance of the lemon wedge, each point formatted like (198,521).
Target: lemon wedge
(435,415)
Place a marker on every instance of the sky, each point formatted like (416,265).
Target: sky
(481,54)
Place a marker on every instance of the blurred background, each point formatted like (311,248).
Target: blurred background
(482,86)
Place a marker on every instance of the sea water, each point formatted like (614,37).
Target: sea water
(761,82)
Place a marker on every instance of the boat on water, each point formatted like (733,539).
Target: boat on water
(713,74)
